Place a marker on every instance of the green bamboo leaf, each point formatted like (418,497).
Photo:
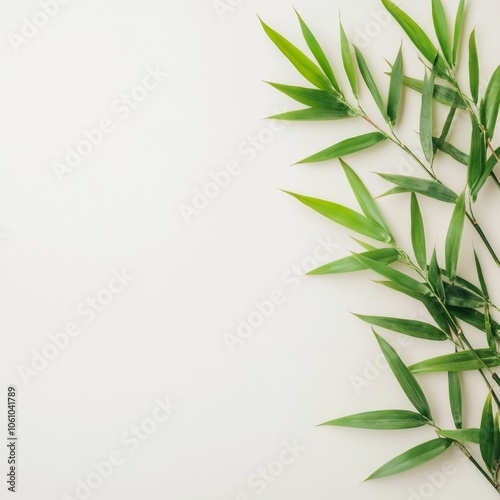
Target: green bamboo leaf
(441,29)
(370,83)
(475,319)
(426,118)
(364,198)
(492,103)
(435,277)
(406,380)
(455,394)
(452,151)
(443,95)
(418,233)
(462,435)
(463,283)
(396,190)
(489,331)
(480,275)
(312,114)
(395,89)
(318,52)
(458,361)
(381,420)
(344,216)
(351,263)
(302,63)
(454,237)
(315,98)
(490,165)
(412,458)
(473,67)
(458,29)
(348,60)
(413,328)
(496,439)
(486,435)
(426,187)
(363,244)
(461,297)
(445,131)
(477,161)
(347,147)
(394,275)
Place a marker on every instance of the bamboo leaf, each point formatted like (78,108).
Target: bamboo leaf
(314,114)
(475,319)
(443,95)
(435,277)
(496,439)
(396,190)
(458,29)
(473,67)
(445,131)
(348,60)
(418,233)
(492,103)
(412,458)
(318,52)
(460,297)
(381,420)
(413,328)
(441,28)
(426,118)
(302,63)
(370,83)
(454,237)
(344,216)
(480,275)
(426,187)
(477,160)
(405,378)
(452,151)
(395,89)
(315,98)
(486,435)
(347,147)
(462,435)
(455,393)
(489,331)
(351,263)
(458,361)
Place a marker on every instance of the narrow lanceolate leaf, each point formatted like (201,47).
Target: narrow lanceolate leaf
(348,60)
(492,103)
(412,458)
(426,118)
(480,275)
(475,319)
(381,420)
(458,361)
(315,114)
(452,151)
(347,147)
(315,98)
(443,95)
(441,28)
(395,89)
(445,131)
(414,32)
(486,435)
(436,311)
(458,29)
(477,160)
(426,187)
(364,198)
(344,216)
(489,331)
(435,277)
(418,233)
(318,52)
(370,82)
(394,275)
(406,380)
(462,435)
(304,65)
(473,67)
(351,263)
(461,297)
(454,237)
(413,328)
(463,283)
(496,439)
(455,393)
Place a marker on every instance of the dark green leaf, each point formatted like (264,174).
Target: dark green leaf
(443,95)
(486,435)
(312,114)
(441,28)
(458,29)
(489,331)
(460,297)
(480,276)
(477,160)
(381,420)
(496,439)
(414,457)
(348,60)
(473,67)
(475,319)
(347,147)
(458,361)
(462,435)
(454,237)
(316,98)
(435,277)
(452,151)
(426,118)
(395,89)
(445,131)
(455,393)
(492,103)
(418,233)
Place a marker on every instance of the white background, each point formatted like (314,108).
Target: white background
(163,336)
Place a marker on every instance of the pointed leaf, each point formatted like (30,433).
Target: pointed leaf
(458,361)
(445,131)
(492,103)
(458,29)
(348,60)
(480,275)
(477,160)
(475,319)
(461,435)
(473,67)
(452,151)
(443,95)
(426,118)
(412,458)
(496,439)
(455,393)
(460,297)
(486,435)
(316,98)
(347,147)
(381,420)
(395,89)
(435,277)
(441,28)
(418,233)
(454,237)
(312,114)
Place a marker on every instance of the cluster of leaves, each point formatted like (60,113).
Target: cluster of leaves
(450,299)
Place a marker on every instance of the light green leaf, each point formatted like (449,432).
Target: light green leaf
(455,393)
(412,458)
(480,276)
(486,435)
(393,191)
(477,160)
(316,98)
(314,114)
(344,216)
(347,147)
(395,89)
(452,151)
(406,380)
(445,131)
(435,277)
(458,361)
(426,118)
(418,233)
(413,328)
(381,420)
(441,28)
(492,103)
(348,60)
(318,52)
(473,67)
(454,237)
(461,435)
(443,95)
(458,29)
(304,65)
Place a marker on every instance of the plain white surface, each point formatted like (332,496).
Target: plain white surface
(163,336)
